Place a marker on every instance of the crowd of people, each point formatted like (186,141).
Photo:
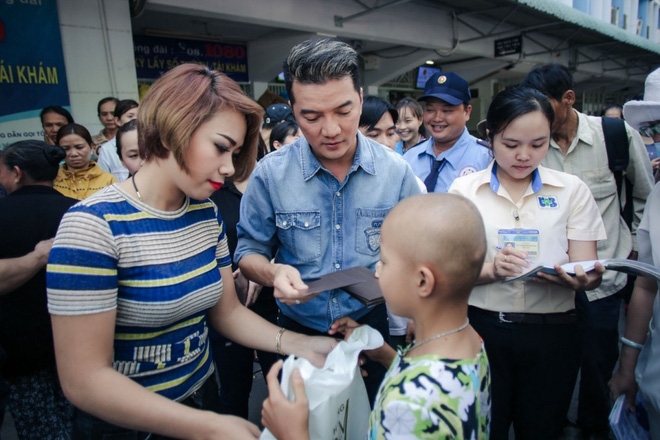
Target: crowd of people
(149,265)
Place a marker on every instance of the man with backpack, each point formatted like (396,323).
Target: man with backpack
(620,178)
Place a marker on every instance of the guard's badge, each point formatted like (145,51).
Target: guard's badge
(442,79)
(548,202)
(372,235)
(466,170)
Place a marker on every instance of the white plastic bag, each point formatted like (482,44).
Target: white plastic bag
(338,403)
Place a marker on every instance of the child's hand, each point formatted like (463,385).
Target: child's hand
(285,419)
(344,326)
(383,354)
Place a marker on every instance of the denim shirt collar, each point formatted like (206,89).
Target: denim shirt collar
(364,158)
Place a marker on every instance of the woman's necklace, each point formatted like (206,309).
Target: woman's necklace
(438,336)
(135,187)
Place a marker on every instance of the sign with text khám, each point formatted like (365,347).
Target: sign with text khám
(156,55)
(32,72)
(508,46)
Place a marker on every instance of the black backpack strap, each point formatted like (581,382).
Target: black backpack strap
(618,157)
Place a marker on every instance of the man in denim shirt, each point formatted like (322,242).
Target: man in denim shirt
(321,201)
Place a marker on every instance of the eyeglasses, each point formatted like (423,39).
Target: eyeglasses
(650,130)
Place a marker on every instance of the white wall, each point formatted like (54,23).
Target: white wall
(602,10)
(97,42)
(652,20)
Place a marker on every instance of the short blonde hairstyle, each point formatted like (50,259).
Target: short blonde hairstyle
(186,97)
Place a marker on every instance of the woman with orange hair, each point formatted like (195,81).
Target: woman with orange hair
(132,297)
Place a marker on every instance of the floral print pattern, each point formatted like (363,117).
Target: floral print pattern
(427,397)
(39,408)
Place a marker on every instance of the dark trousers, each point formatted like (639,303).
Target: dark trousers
(235,362)
(377,319)
(533,370)
(89,427)
(599,335)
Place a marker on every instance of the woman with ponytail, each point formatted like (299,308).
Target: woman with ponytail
(29,218)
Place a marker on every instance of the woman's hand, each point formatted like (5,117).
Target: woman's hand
(509,262)
(623,382)
(580,281)
(655,164)
(577,251)
(313,348)
(224,427)
(285,419)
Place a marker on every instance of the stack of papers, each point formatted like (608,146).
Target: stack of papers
(631,267)
(628,425)
(359,282)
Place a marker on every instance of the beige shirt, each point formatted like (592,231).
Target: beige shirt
(556,204)
(587,158)
(100,139)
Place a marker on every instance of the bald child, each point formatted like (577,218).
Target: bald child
(438,387)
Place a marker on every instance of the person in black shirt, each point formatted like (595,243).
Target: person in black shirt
(235,362)
(29,218)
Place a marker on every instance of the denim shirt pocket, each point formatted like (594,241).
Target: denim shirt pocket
(300,233)
(367,232)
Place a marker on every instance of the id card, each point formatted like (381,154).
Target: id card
(521,239)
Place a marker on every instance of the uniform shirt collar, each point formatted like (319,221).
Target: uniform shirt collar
(584,133)
(540,177)
(455,153)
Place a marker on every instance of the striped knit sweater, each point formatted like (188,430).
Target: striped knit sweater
(159,269)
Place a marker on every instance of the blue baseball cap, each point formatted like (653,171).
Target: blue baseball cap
(277,113)
(448,87)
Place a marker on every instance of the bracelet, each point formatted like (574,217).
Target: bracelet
(632,344)
(278,341)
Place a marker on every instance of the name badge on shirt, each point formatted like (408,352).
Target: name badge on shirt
(521,239)
(548,202)
(467,170)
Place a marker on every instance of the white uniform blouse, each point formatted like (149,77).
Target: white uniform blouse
(558,205)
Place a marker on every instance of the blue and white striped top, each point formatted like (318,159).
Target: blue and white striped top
(159,269)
